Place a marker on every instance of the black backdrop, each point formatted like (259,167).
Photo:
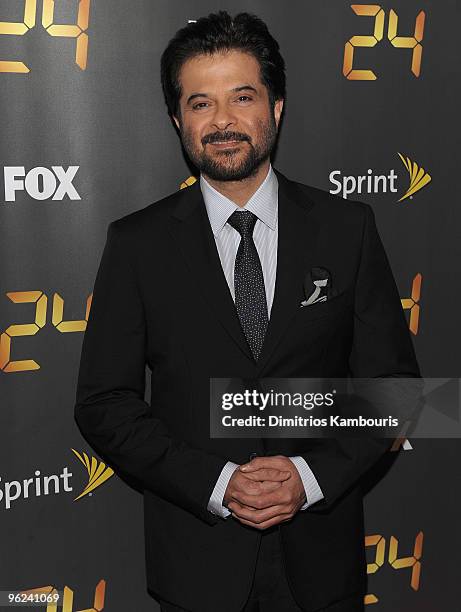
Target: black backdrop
(85,139)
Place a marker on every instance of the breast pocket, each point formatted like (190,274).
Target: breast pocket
(333,306)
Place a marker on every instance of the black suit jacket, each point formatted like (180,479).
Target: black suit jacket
(161,299)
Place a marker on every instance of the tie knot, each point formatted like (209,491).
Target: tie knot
(243,221)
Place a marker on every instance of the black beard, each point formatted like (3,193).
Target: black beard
(247,167)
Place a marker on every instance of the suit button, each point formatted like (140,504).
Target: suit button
(252,456)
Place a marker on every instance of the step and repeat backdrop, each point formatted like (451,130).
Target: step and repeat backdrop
(372,114)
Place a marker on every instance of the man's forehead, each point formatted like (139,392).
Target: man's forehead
(235,68)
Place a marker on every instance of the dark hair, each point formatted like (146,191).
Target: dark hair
(220,32)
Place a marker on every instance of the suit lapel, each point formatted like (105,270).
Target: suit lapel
(297,232)
(191,229)
(297,242)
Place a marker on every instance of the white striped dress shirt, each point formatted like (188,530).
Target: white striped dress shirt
(264,204)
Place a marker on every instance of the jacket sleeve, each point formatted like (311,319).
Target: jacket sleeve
(381,347)
(110,409)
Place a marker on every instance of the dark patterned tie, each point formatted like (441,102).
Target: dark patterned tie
(250,293)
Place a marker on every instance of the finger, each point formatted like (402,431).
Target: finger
(266,497)
(248,486)
(268,485)
(257,516)
(263,500)
(264,525)
(277,461)
(251,497)
(247,502)
(255,488)
(268,474)
(252,487)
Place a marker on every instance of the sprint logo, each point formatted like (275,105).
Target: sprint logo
(54,484)
(381,183)
(419,178)
(97,472)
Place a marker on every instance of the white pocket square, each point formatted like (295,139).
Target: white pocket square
(316,296)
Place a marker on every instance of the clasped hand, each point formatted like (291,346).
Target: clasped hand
(264,492)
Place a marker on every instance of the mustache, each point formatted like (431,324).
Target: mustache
(224,137)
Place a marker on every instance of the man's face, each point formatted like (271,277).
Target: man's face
(227,126)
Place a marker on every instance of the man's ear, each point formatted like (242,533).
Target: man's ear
(278,106)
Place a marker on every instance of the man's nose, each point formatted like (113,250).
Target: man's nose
(223,117)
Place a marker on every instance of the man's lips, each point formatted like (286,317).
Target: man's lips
(226,144)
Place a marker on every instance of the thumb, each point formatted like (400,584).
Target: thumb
(253,465)
(247,467)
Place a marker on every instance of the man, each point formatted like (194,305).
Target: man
(208,283)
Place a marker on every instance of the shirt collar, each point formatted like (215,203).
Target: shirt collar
(263,203)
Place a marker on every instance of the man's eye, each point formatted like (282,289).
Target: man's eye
(247,97)
(198,104)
